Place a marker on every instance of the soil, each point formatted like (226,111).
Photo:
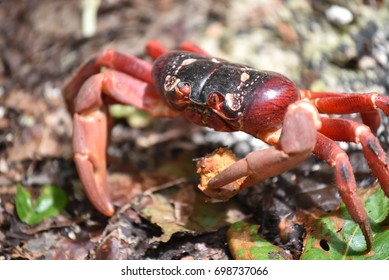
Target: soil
(43,42)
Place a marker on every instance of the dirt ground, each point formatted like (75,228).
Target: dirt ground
(42,42)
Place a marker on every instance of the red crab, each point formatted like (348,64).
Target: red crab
(212,92)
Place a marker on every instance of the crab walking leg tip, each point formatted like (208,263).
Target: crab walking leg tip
(367,233)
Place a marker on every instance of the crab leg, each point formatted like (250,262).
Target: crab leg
(155,48)
(341,103)
(91,127)
(130,65)
(191,46)
(330,152)
(349,131)
(297,141)
(87,96)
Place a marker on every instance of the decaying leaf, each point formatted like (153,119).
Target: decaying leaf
(175,212)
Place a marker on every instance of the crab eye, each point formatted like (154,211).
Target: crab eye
(183,88)
(215,100)
(178,97)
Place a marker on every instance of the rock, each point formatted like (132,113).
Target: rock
(339,15)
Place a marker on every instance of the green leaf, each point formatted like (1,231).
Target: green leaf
(51,201)
(377,206)
(245,244)
(337,236)
(23,202)
(135,118)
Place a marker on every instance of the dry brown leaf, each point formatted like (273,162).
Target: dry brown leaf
(210,166)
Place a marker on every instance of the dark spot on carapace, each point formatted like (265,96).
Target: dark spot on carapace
(373,147)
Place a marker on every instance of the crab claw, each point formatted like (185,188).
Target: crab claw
(89,143)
